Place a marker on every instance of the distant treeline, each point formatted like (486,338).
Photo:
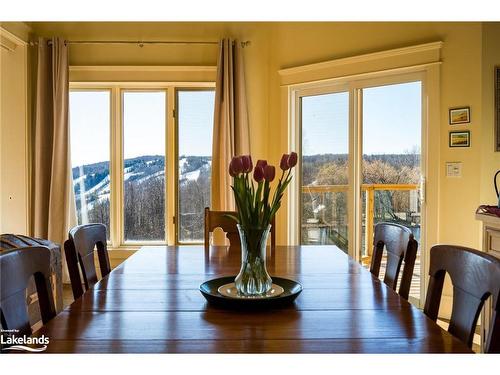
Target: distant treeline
(409,159)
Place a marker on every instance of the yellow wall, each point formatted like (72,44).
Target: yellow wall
(468,54)
(14,165)
(490,160)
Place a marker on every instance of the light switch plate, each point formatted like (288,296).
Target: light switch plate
(454,169)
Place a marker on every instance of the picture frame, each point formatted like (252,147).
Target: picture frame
(459,138)
(459,115)
(497,108)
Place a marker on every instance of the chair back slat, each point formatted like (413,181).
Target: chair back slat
(465,312)
(219,219)
(409,265)
(400,245)
(493,339)
(475,277)
(16,268)
(15,313)
(79,250)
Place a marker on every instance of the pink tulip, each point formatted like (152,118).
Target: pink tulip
(247,163)
(284,162)
(236,166)
(262,163)
(292,160)
(258,173)
(269,173)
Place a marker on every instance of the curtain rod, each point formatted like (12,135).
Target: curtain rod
(142,43)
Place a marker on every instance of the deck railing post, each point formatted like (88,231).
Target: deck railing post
(369,219)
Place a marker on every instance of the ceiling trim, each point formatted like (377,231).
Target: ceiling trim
(139,68)
(361,58)
(10,41)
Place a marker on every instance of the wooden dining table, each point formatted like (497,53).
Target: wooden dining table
(151,303)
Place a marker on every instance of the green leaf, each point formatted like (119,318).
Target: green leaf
(233,217)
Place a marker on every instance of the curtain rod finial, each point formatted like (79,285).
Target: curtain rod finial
(245,43)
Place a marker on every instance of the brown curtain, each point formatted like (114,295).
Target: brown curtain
(53,203)
(231,132)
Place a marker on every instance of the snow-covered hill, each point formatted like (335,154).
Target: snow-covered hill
(93,182)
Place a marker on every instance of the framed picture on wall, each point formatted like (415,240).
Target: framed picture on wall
(460,139)
(459,115)
(497,108)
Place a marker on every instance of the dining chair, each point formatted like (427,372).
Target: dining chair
(218,219)
(17,266)
(79,249)
(475,277)
(400,246)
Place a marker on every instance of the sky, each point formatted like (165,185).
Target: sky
(89,118)
(391,120)
(144,123)
(196,116)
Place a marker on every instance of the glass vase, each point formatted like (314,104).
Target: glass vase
(253,279)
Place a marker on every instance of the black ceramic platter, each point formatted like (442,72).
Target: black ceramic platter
(210,290)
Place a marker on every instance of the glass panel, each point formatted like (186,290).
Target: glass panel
(325,146)
(195,122)
(89,118)
(392,123)
(144,165)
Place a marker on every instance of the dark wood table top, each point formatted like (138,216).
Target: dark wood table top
(151,303)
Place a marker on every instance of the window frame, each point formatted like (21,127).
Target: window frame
(116,162)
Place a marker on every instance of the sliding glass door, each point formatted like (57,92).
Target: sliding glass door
(361,143)
(391,171)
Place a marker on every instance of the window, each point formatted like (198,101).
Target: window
(125,147)
(89,131)
(144,165)
(196,111)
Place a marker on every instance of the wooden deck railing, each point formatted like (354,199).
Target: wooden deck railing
(370,200)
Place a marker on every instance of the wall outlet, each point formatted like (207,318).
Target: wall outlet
(454,169)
